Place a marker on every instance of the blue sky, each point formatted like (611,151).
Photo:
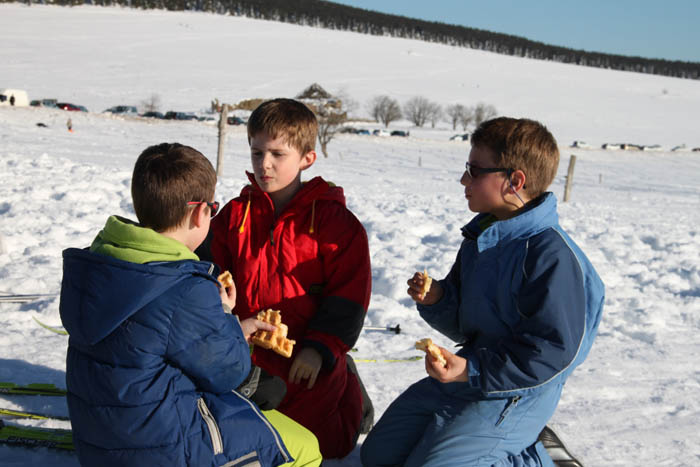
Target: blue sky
(668,29)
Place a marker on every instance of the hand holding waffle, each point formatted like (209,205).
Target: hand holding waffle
(431,349)
(423,290)
(274,340)
(252,325)
(227,289)
(448,367)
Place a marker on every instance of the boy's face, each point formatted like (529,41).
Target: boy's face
(277,165)
(486,191)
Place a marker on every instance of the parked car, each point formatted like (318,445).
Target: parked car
(399,133)
(152,114)
(233,120)
(611,146)
(363,131)
(206,118)
(581,144)
(71,107)
(123,109)
(172,115)
(43,103)
(381,133)
(460,137)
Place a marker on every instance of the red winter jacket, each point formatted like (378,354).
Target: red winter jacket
(311,263)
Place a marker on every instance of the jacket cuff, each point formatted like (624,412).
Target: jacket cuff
(328,359)
(437,306)
(473,367)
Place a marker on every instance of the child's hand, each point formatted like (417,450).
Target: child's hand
(307,364)
(455,371)
(251,325)
(415,284)
(228,296)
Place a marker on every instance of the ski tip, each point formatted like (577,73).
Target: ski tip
(53,329)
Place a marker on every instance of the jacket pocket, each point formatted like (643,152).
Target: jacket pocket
(216,442)
(512,403)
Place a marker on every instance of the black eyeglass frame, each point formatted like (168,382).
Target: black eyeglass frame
(474,171)
(213,206)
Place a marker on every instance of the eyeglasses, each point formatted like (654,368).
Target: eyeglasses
(213,206)
(474,171)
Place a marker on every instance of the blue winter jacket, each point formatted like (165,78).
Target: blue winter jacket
(151,367)
(523,301)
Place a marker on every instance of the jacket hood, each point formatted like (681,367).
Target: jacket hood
(99,291)
(124,239)
(540,215)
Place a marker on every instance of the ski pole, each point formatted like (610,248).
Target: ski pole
(396,329)
(24,298)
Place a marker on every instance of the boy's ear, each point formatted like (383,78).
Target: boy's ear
(198,215)
(307,160)
(517,180)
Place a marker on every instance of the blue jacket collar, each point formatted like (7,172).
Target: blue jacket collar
(541,214)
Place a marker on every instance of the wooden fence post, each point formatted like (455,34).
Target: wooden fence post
(222,139)
(569,178)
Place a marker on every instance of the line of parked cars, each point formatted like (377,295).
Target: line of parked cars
(377,132)
(52,103)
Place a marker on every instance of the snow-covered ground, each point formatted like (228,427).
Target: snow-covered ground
(636,214)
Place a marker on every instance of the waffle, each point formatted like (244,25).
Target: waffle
(428,346)
(225,279)
(274,340)
(427,282)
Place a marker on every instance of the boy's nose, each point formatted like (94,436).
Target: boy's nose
(266,161)
(466,179)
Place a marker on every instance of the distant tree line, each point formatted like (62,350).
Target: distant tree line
(331,15)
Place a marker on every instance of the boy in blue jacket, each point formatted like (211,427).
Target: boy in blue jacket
(153,358)
(521,300)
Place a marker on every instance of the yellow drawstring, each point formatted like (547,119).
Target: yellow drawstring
(313,215)
(241,228)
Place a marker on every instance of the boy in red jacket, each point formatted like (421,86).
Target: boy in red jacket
(295,247)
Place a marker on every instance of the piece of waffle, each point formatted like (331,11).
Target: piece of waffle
(428,346)
(225,279)
(427,282)
(274,340)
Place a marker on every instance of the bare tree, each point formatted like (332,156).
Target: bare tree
(384,109)
(455,112)
(466,118)
(329,123)
(417,110)
(483,112)
(152,104)
(434,113)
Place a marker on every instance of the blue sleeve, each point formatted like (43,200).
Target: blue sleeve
(551,307)
(443,316)
(207,344)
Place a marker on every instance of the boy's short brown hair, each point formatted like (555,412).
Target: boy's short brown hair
(286,118)
(166,177)
(521,144)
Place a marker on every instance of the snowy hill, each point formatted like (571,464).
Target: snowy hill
(634,213)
